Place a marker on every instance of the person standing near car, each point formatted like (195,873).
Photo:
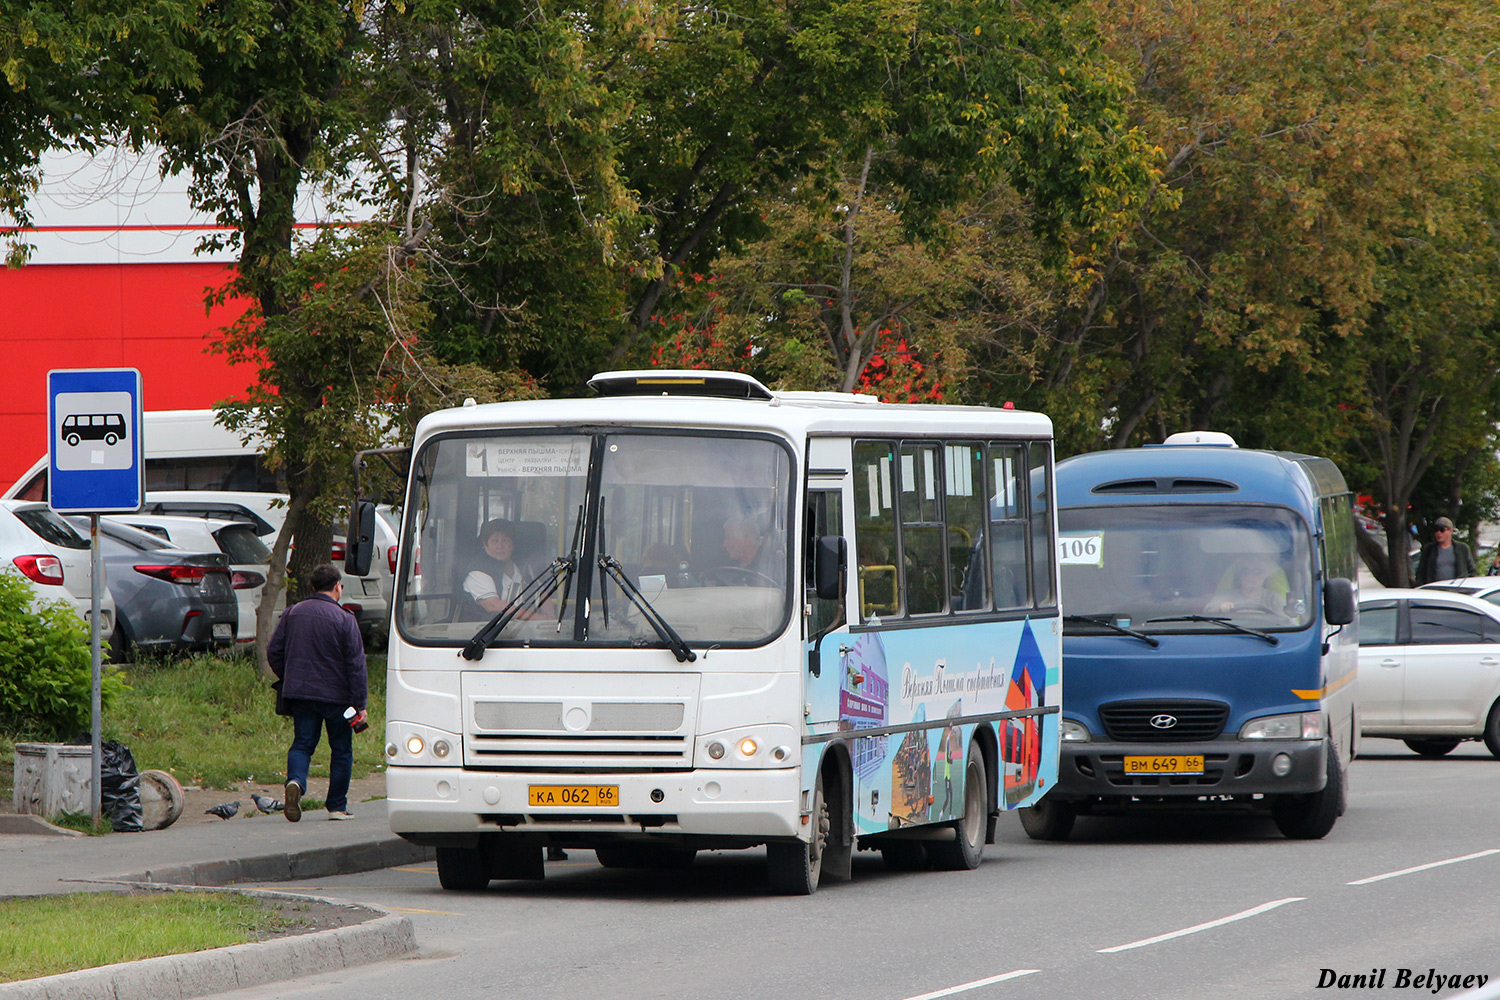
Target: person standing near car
(1443,558)
(317,653)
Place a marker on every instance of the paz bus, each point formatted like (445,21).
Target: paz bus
(1210,640)
(730,617)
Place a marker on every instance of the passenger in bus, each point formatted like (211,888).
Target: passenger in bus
(497,577)
(1252,583)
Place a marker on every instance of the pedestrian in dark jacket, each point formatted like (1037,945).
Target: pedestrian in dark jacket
(1443,558)
(317,653)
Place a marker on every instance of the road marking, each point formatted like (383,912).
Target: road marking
(1423,868)
(411,909)
(420,871)
(1253,911)
(975,984)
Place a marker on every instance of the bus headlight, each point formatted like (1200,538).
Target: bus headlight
(441,749)
(1293,726)
(766,745)
(1074,732)
(748,747)
(414,745)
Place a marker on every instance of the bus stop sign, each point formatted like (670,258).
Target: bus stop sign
(94,447)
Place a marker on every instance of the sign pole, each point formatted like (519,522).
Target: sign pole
(96,587)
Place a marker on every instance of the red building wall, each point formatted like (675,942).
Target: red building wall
(145,316)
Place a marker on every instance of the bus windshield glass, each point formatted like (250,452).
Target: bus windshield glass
(689,527)
(1167,568)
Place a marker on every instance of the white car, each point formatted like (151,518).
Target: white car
(266,513)
(1429,669)
(1486,588)
(43,549)
(249,558)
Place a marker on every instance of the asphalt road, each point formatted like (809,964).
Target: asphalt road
(1158,907)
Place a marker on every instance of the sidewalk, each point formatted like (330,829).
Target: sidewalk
(246,848)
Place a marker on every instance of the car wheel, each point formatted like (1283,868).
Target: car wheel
(1049,819)
(1492,730)
(1431,748)
(1310,817)
(119,645)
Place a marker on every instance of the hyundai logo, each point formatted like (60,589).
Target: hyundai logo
(1163,721)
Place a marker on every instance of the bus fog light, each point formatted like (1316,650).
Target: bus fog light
(441,748)
(781,753)
(391,750)
(716,750)
(748,747)
(1074,732)
(657,795)
(1281,765)
(414,745)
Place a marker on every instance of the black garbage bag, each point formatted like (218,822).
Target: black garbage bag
(119,786)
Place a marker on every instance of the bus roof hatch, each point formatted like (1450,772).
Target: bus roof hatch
(678,382)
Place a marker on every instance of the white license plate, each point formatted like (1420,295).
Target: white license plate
(223,630)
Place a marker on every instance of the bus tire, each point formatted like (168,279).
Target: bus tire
(1310,817)
(1049,819)
(796,866)
(966,849)
(1492,730)
(462,868)
(1431,748)
(904,856)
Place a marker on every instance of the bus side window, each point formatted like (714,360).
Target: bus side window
(964,466)
(1040,494)
(1008,526)
(922,540)
(875,529)
(825,516)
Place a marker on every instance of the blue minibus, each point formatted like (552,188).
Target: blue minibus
(1209,638)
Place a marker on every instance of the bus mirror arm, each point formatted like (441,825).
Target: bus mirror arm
(1338,601)
(828,566)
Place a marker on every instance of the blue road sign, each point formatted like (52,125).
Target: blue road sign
(94,443)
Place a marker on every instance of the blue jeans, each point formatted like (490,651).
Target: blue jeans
(309,718)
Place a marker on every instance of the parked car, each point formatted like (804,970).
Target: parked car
(45,550)
(247,554)
(1429,669)
(1486,588)
(365,596)
(168,599)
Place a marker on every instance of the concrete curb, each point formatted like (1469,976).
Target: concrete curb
(178,977)
(318,862)
(24,823)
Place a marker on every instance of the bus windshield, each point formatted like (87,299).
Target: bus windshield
(690,527)
(1166,568)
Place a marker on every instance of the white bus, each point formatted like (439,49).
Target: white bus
(732,617)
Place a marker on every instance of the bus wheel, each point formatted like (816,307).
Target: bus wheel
(1049,819)
(796,866)
(966,849)
(1310,817)
(904,855)
(462,868)
(1431,748)
(73,440)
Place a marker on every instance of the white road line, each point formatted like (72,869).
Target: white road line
(975,984)
(1253,911)
(1423,868)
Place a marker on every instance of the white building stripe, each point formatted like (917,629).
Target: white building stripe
(1253,911)
(975,984)
(1423,868)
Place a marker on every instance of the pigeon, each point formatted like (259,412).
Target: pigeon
(224,810)
(266,804)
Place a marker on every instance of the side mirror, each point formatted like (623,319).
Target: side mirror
(359,542)
(1338,601)
(828,566)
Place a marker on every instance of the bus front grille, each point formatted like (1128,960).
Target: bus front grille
(546,735)
(1167,721)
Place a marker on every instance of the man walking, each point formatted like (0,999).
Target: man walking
(317,653)
(1443,558)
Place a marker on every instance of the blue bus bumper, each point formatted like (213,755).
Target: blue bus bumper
(1096,770)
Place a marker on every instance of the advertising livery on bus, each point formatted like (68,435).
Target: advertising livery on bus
(1210,642)
(693,613)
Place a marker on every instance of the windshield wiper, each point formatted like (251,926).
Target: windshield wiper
(567,581)
(1103,622)
(536,590)
(676,643)
(1225,622)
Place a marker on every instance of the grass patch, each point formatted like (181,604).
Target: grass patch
(83,823)
(47,935)
(7,769)
(212,721)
